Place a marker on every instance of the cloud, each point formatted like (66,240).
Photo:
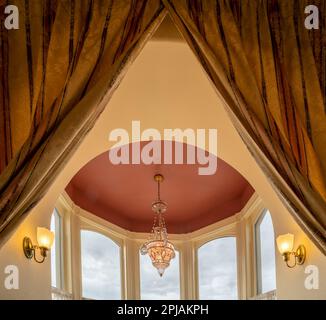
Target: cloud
(267,253)
(217,270)
(154,287)
(101,277)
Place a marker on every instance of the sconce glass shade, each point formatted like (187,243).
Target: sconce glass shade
(45,238)
(285,243)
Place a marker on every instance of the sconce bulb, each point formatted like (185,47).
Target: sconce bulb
(45,238)
(285,243)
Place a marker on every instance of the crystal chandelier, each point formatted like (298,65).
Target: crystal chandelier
(158,247)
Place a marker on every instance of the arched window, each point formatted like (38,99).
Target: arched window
(56,251)
(154,287)
(217,269)
(101,272)
(265,253)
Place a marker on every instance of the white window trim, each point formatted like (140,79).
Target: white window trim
(59,249)
(258,292)
(226,234)
(240,225)
(64,209)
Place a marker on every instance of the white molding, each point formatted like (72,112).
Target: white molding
(58,294)
(239,225)
(270,295)
(221,228)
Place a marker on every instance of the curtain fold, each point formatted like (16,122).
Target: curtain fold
(60,68)
(58,71)
(270,71)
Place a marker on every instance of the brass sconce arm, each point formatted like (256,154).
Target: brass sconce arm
(30,250)
(299,256)
(45,240)
(285,246)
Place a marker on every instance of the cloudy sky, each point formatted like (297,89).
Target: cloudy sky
(100,267)
(217,268)
(267,253)
(154,287)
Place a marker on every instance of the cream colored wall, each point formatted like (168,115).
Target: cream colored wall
(34,279)
(164,88)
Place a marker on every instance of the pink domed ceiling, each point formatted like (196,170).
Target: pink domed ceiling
(122,194)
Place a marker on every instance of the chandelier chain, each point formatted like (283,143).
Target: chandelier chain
(159,190)
(153,228)
(159,249)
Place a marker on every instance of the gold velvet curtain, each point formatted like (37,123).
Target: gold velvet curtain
(271,73)
(57,73)
(60,68)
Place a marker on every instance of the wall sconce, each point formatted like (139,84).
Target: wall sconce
(45,239)
(285,246)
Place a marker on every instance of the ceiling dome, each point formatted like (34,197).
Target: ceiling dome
(123,194)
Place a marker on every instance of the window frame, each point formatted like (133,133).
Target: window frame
(240,226)
(225,228)
(59,256)
(257,252)
(117,242)
(226,235)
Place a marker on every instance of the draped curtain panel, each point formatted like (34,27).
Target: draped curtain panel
(271,72)
(58,71)
(60,68)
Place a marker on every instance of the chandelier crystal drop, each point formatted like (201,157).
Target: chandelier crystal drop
(158,247)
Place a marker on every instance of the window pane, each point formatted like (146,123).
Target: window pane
(217,269)
(154,287)
(265,254)
(100,257)
(56,251)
